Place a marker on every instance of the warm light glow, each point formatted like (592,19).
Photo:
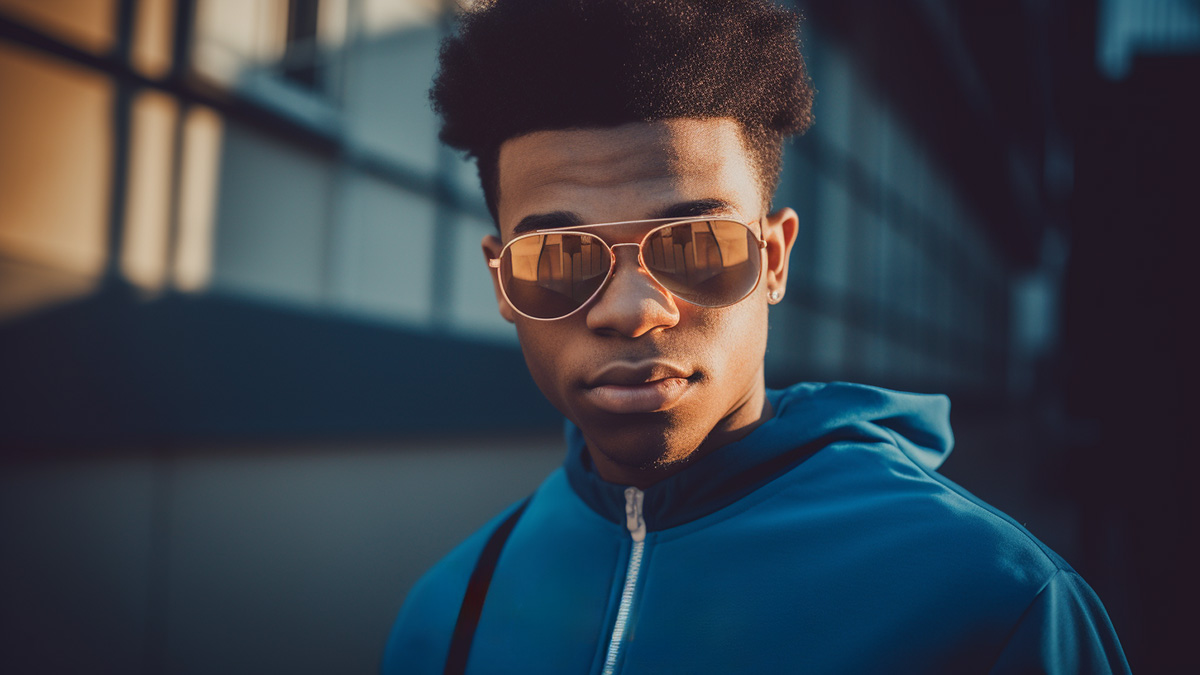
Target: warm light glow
(84,23)
(232,35)
(148,217)
(152,37)
(55,163)
(331,23)
(197,198)
(389,16)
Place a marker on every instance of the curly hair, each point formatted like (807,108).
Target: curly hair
(518,66)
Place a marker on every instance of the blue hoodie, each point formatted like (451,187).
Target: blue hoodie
(822,542)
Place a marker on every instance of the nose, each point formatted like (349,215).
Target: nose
(632,303)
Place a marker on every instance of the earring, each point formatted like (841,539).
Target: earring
(774,296)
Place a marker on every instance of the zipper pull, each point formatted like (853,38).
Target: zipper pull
(635,522)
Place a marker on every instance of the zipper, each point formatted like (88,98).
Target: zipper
(635,522)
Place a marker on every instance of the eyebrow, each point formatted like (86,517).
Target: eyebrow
(547,221)
(688,209)
(696,207)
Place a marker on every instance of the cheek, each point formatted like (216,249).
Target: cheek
(736,341)
(545,358)
(532,347)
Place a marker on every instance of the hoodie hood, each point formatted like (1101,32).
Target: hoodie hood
(808,417)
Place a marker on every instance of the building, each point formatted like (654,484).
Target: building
(243,305)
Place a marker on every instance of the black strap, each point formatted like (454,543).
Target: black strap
(477,588)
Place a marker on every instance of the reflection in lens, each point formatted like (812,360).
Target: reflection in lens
(547,276)
(711,263)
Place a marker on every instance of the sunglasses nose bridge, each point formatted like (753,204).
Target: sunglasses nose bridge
(640,261)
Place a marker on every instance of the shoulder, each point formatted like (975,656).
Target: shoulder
(907,540)
(420,637)
(1065,629)
(871,504)
(982,526)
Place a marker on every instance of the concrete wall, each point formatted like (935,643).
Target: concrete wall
(250,559)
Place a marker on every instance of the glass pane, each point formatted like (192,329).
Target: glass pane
(147,222)
(473,306)
(83,23)
(256,47)
(389,16)
(382,250)
(152,36)
(233,36)
(56,162)
(202,136)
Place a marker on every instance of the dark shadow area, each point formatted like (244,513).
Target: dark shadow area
(112,370)
(1130,351)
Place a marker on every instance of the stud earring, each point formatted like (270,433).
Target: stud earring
(774,296)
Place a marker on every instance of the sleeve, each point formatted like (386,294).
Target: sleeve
(1064,631)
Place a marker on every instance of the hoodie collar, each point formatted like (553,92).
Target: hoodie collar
(808,417)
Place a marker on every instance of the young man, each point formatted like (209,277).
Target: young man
(628,151)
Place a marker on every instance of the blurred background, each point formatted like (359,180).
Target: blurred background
(252,378)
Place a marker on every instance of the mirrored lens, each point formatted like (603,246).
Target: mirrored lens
(711,263)
(548,276)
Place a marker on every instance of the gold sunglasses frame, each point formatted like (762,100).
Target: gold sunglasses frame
(494,263)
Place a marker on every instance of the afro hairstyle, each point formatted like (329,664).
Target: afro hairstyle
(513,67)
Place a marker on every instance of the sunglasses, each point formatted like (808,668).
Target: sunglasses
(552,273)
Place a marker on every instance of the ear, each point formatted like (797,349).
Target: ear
(779,231)
(491,250)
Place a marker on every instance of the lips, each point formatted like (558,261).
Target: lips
(642,387)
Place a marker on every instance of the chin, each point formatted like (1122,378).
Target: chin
(644,441)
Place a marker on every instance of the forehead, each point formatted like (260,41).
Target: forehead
(627,172)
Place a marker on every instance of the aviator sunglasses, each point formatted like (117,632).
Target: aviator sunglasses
(553,273)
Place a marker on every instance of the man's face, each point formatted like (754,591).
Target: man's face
(648,378)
